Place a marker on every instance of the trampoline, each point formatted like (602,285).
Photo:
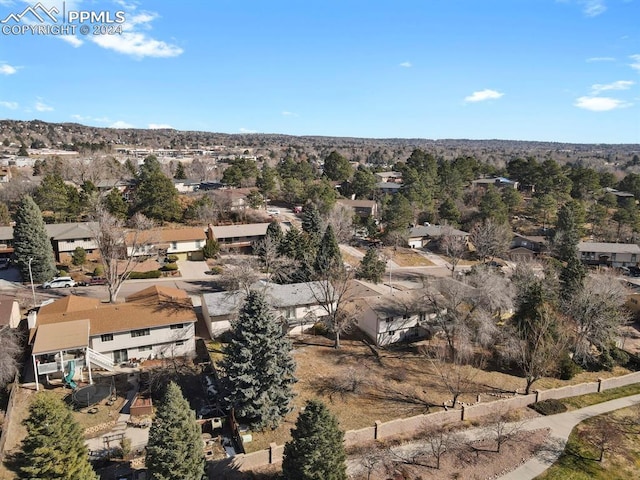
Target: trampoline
(91,394)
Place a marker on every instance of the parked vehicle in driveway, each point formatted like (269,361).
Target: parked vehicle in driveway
(60,282)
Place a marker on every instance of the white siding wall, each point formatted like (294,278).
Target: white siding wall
(159,339)
(368,323)
(415,243)
(70,246)
(397,329)
(183,247)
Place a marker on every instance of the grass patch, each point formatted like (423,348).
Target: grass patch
(594,398)
(579,459)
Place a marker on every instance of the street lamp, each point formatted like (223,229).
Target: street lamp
(33,290)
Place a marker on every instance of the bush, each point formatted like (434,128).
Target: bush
(172,258)
(63,273)
(549,407)
(320,328)
(620,356)
(98,271)
(215,270)
(170,267)
(145,275)
(568,368)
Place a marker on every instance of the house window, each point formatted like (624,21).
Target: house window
(176,326)
(423,316)
(198,243)
(107,337)
(146,348)
(179,343)
(391,332)
(405,316)
(633,258)
(140,333)
(174,245)
(389,319)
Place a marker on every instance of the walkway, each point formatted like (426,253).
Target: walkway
(561,426)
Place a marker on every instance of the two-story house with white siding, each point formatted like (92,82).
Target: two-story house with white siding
(394,317)
(297,305)
(186,243)
(609,254)
(157,322)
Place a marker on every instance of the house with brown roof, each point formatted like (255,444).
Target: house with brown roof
(239,237)
(362,208)
(186,243)
(157,322)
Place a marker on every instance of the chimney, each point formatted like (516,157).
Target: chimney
(32,318)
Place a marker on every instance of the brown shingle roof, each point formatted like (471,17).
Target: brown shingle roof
(61,336)
(152,307)
(70,303)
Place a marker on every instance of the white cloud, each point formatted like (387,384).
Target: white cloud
(593,8)
(9,105)
(289,114)
(635,62)
(43,107)
(71,40)
(600,104)
(159,126)
(619,85)
(483,95)
(85,119)
(601,59)
(246,130)
(134,42)
(121,124)
(6,69)
(406,64)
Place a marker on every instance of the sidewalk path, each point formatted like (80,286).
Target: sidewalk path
(561,426)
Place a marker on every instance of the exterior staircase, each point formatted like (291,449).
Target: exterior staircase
(100,360)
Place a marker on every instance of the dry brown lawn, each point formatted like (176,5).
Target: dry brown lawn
(389,385)
(406,257)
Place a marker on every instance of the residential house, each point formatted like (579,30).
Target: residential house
(389,177)
(9,312)
(240,237)
(186,186)
(498,182)
(525,247)
(609,254)
(422,235)
(157,322)
(394,317)
(298,305)
(186,243)
(65,238)
(233,199)
(388,187)
(362,208)
(5,174)
(620,195)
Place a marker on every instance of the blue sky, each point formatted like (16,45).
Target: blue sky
(549,70)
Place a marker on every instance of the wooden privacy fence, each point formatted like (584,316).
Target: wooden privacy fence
(412,425)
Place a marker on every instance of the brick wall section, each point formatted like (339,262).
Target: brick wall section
(411,425)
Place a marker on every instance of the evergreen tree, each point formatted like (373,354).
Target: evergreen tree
(492,206)
(449,211)
(337,168)
(79,256)
(156,196)
(566,237)
(266,181)
(175,450)
(115,204)
(180,174)
(572,277)
(5,217)
(274,232)
(328,256)
(296,246)
(372,267)
(363,183)
(211,248)
(259,369)
(316,449)
(312,223)
(54,446)
(31,240)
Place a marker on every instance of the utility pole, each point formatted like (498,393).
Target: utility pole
(33,290)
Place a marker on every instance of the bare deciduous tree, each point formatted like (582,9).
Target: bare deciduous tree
(598,311)
(440,439)
(603,435)
(491,239)
(341,219)
(331,291)
(457,375)
(277,268)
(503,426)
(113,239)
(240,274)
(454,247)
(10,351)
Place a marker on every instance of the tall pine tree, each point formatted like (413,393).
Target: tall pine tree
(156,196)
(258,366)
(30,240)
(316,450)
(312,223)
(572,272)
(328,257)
(175,450)
(54,446)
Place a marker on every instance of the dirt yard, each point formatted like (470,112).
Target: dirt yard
(361,385)
(406,257)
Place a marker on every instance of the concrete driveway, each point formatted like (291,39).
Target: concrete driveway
(191,270)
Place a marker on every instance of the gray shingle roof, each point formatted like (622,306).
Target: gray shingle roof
(608,247)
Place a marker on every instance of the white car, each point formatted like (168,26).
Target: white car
(60,282)
(273,211)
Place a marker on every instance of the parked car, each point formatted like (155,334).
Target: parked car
(60,282)
(273,211)
(92,281)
